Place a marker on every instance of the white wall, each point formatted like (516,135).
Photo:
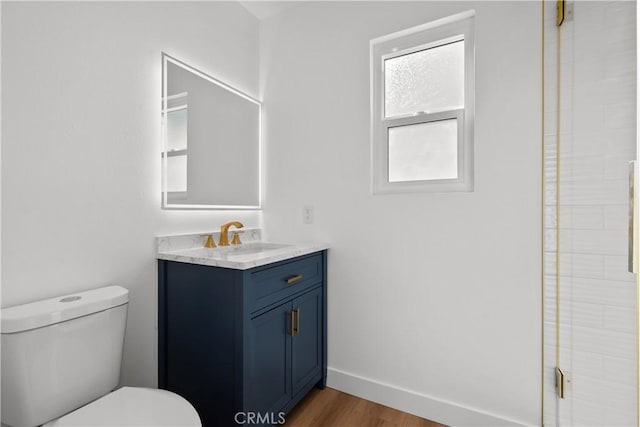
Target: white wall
(81,146)
(434,299)
(435,295)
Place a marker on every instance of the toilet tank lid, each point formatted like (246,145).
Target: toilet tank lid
(50,311)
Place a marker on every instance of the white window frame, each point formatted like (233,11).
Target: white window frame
(433,34)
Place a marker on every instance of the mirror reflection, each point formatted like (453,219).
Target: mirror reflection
(211,142)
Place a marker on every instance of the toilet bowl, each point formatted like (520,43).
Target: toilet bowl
(61,362)
(133,406)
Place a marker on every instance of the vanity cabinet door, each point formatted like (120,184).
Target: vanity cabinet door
(269,360)
(307,338)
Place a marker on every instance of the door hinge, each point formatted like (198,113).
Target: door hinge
(560,383)
(559,12)
(564,12)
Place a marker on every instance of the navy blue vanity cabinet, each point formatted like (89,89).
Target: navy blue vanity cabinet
(269,360)
(235,342)
(306,351)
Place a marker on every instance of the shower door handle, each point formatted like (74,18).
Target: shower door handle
(633,216)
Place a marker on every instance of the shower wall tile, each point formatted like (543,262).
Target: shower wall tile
(589,117)
(566,148)
(550,241)
(592,20)
(588,365)
(618,370)
(616,217)
(605,342)
(550,296)
(586,413)
(588,73)
(592,192)
(549,352)
(575,217)
(564,415)
(617,418)
(622,141)
(620,318)
(583,314)
(618,344)
(619,13)
(617,65)
(617,268)
(589,46)
(550,338)
(588,315)
(576,265)
(550,409)
(551,123)
(619,396)
(583,386)
(616,165)
(619,116)
(589,142)
(620,37)
(590,92)
(620,90)
(596,242)
(582,167)
(585,217)
(609,293)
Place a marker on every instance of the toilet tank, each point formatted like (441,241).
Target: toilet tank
(60,353)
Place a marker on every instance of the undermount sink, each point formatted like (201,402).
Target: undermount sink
(229,252)
(253,248)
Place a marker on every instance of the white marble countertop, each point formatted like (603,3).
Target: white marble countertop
(253,252)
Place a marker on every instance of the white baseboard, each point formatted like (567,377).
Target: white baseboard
(432,408)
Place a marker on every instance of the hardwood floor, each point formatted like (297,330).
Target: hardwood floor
(333,408)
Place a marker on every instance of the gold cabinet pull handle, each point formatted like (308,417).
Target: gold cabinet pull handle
(297,330)
(292,330)
(294,279)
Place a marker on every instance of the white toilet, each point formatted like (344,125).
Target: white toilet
(61,363)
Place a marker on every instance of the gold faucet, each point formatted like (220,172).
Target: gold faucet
(209,243)
(224,232)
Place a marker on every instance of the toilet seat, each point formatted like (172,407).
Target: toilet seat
(133,406)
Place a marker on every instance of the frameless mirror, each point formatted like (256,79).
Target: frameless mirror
(211,148)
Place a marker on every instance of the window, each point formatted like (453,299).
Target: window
(422,108)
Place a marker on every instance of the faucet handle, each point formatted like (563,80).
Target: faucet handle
(235,240)
(209,243)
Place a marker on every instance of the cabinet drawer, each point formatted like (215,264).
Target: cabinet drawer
(272,284)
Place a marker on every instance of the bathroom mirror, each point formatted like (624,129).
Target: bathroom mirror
(211,147)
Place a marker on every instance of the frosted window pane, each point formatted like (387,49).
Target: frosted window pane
(177,130)
(177,173)
(429,80)
(424,151)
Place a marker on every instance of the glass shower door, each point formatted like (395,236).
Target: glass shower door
(590,351)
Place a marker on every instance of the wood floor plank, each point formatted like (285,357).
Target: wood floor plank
(333,408)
